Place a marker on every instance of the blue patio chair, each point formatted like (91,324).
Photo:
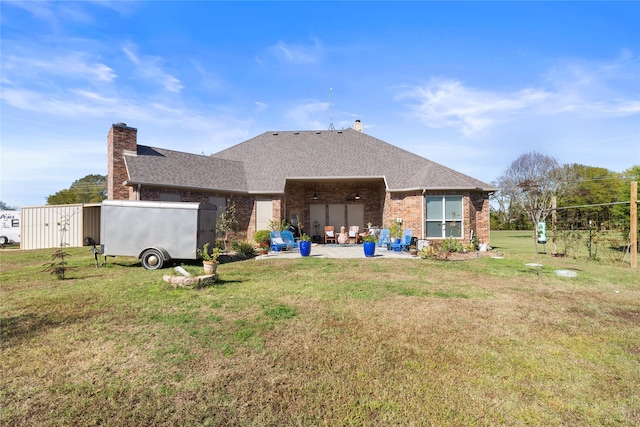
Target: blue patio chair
(277,242)
(384,239)
(404,243)
(289,240)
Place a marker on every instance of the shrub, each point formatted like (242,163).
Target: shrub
(451,245)
(262,236)
(243,248)
(430,252)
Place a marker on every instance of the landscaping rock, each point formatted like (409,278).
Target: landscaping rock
(189,282)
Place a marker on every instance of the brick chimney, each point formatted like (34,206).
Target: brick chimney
(358,126)
(121,138)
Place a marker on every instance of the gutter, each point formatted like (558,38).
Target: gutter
(423,232)
(206,189)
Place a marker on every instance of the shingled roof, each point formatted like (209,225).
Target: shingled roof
(168,168)
(264,164)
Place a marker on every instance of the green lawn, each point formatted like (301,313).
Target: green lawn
(310,341)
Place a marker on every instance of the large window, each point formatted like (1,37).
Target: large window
(444,217)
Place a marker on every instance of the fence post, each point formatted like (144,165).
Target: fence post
(554,248)
(633,232)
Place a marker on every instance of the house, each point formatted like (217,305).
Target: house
(314,178)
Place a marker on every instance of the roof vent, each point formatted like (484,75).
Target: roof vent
(318,132)
(296,133)
(274,133)
(358,126)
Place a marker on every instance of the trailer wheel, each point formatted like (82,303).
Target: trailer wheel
(3,240)
(152,259)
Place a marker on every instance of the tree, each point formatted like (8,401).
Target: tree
(6,207)
(590,186)
(226,223)
(90,189)
(624,194)
(505,214)
(531,182)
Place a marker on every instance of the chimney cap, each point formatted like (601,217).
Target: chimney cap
(122,125)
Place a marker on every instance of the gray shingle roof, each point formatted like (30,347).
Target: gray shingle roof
(160,167)
(273,157)
(264,163)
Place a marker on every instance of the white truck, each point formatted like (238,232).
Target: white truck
(9,227)
(155,232)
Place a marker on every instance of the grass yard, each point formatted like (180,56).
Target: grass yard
(310,341)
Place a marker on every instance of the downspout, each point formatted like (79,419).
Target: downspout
(424,219)
(138,191)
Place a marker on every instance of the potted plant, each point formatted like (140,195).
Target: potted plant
(369,245)
(209,259)
(305,245)
(262,238)
(413,250)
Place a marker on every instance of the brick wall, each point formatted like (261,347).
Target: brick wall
(299,197)
(408,207)
(121,138)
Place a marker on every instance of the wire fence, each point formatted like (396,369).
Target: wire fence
(593,232)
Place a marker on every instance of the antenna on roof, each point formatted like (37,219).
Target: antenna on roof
(331,109)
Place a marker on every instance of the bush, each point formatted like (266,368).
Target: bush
(243,248)
(262,236)
(430,252)
(451,245)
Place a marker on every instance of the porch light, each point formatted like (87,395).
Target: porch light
(315,192)
(357,196)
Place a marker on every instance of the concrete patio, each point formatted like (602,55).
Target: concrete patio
(337,251)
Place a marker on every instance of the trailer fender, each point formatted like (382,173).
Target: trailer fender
(154,258)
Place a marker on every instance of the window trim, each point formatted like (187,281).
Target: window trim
(443,220)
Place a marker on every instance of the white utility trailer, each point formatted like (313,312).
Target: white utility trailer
(9,227)
(155,232)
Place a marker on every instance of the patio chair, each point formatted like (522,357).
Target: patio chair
(289,240)
(404,243)
(329,234)
(354,233)
(277,242)
(384,239)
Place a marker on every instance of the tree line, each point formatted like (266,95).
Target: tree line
(527,187)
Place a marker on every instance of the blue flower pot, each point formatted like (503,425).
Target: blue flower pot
(305,248)
(369,248)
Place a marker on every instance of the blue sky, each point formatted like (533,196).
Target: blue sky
(471,85)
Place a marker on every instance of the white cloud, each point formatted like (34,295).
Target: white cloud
(448,103)
(297,53)
(150,68)
(63,64)
(574,87)
(603,88)
(306,115)
(260,106)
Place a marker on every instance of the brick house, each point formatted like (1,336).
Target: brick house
(332,177)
